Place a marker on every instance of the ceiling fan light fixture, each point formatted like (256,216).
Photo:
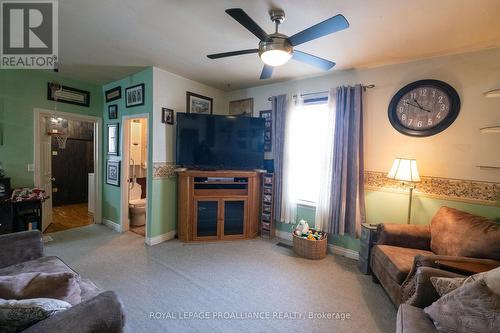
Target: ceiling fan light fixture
(275,57)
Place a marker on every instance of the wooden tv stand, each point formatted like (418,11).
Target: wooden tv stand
(218,205)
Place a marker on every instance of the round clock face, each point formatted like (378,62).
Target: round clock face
(424,108)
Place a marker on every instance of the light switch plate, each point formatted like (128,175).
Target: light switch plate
(31,167)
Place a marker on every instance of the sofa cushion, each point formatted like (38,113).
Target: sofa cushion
(474,307)
(411,319)
(456,233)
(63,286)
(51,265)
(17,315)
(397,261)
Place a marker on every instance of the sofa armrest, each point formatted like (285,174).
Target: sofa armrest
(404,235)
(411,319)
(19,247)
(425,294)
(103,313)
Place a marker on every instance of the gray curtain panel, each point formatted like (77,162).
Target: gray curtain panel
(279,121)
(348,199)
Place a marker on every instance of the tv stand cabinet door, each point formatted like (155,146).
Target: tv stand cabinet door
(234,218)
(207,217)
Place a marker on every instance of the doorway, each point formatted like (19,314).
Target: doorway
(134,202)
(67,168)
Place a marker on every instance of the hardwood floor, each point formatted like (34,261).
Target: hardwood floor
(68,217)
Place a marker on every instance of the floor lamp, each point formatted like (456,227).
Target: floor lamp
(406,171)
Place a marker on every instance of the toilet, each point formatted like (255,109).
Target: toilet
(137,206)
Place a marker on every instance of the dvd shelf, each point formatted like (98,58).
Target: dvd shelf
(267,207)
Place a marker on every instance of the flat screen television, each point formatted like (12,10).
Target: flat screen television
(214,142)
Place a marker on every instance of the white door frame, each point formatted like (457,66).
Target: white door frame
(125,174)
(38,115)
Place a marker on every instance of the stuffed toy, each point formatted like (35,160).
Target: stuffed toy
(301,228)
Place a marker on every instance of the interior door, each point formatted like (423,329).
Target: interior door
(46,173)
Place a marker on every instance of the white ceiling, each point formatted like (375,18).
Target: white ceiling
(104,40)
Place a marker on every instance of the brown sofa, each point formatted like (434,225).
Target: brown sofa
(452,235)
(98,312)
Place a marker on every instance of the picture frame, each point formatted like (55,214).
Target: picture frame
(241,107)
(268,129)
(134,95)
(69,95)
(113,173)
(113,136)
(196,103)
(113,94)
(113,111)
(167,116)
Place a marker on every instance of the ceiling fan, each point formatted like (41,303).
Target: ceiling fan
(276,49)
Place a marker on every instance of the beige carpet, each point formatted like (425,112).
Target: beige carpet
(239,280)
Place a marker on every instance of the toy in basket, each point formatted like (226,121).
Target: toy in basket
(308,242)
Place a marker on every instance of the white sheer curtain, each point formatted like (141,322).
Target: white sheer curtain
(289,192)
(323,205)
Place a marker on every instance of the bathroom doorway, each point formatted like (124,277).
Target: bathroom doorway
(135,174)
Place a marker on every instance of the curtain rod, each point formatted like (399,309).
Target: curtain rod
(369,86)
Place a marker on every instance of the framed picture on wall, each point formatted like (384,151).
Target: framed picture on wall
(113,173)
(113,139)
(167,116)
(113,94)
(68,95)
(113,111)
(268,129)
(134,96)
(242,107)
(198,103)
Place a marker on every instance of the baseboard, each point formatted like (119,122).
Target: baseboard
(161,238)
(348,253)
(112,225)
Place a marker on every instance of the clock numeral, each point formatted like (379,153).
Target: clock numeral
(440,99)
(413,95)
(433,93)
(438,116)
(423,92)
(406,102)
(401,109)
(403,117)
(443,107)
(429,122)
(410,121)
(419,124)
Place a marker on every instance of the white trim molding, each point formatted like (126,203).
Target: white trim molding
(160,238)
(334,249)
(112,225)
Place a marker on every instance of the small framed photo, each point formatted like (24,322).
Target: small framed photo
(134,96)
(198,103)
(268,129)
(113,94)
(167,116)
(242,107)
(113,139)
(113,173)
(113,111)
(68,95)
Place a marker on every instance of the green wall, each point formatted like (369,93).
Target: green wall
(20,92)
(111,195)
(164,203)
(384,206)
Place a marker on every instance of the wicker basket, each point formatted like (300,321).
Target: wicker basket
(310,249)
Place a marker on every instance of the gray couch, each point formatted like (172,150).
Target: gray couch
(411,317)
(22,252)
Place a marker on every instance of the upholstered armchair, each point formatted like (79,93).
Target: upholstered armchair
(452,236)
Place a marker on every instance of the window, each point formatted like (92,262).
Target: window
(309,140)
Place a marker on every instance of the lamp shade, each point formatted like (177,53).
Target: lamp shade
(404,169)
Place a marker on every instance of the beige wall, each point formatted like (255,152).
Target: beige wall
(454,153)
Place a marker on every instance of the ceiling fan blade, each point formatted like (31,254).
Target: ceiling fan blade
(313,60)
(267,71)
(231,54)
(239,15)
(333,24)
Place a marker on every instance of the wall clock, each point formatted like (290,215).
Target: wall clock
(424,108)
